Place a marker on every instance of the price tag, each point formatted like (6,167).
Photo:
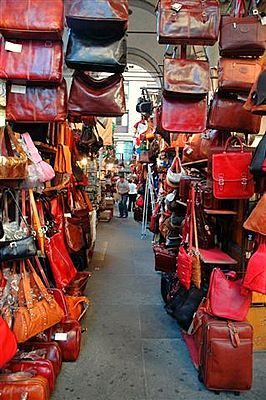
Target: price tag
(67,215)
(2,117)
(263,20)
(14,47)
(18,89)
(176,7)
(60,337)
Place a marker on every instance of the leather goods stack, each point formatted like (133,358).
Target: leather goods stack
(242,42)
(97,43)
(31,54)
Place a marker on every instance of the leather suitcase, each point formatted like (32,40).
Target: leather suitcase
(37,104)
(257,318)
(23,385)
(68,336)
(226,355)
(165,259)
(27,19)
(31,60)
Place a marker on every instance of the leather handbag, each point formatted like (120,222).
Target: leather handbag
(13,161)
(19,385)
(165,259)
(256,102)
(186,77)
(18,249)
(242,36)
(256,221)
(96,17)
(8,343)
(74,233)
(77,306)
(31,60)
(60,262)
(78,284)
(104,97)
(227,114)
(37,104)
(238,75)
(230,173)
(19,20)
(225,299)
(36,315)
(255,276)
(184,115)
(92,54)
(194,22)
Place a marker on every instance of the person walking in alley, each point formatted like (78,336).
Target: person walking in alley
(122,188)
(132,195)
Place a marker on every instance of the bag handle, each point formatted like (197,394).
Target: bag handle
(43,290)
(40,268)
(230,139)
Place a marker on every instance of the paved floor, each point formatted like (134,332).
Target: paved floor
(132,349)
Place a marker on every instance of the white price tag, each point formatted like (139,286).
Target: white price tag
(176,7)
(15,47)
(67,215)
(60,336)
(263,20)
(2,117)
(18,89)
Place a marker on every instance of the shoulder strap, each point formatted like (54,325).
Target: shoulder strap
(34,154)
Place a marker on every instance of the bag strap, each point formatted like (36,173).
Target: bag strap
(41,270)
(43,290)
(191,218)
(195,230)
(230,139)
(34,154)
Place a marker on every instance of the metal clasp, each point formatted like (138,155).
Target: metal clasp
(221,182)
(244,182)
(13,244)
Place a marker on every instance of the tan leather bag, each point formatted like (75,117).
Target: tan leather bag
(37,315)
(77,306)
(256,221)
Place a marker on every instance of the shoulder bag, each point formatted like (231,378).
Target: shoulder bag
(256,221)
(255,276)
(256,102)
(8,344)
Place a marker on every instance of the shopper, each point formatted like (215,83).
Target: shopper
(122,188)
(132,195)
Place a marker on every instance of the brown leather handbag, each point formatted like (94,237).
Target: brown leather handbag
(256,102)
(196,22)
(37,104)
(103,18)
(13,161)
(37,315)
(23,385)
(74,234)
(77,306)
(31,60)
(18,19)
(238,74)
(89,96)
(183,76)
(256,221)
(227,114)
(240,37)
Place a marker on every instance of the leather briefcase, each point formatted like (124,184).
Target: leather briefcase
(97,17)
(186,77)
(240,37)
(29,19)
(230,173)
(184,115)
(228,114)
(104,97)
(37,103)
(15,386)
(196,22)
(238,74)
(226,354)
(31,60)
(91,54)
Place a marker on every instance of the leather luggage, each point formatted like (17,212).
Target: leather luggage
(27,19)
(68,336)
(37,103)
(165,259)
(196,22)
(23,385)
(92,54)
(257,318)
(98,18)
(31,60)
(226,355)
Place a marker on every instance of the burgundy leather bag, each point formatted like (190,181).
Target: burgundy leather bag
(29,19)
(227,114)
(184,115)
(37,104)
(104,97)
(183,76)
(165,259)
(31,60)
(97,17)
(196,22)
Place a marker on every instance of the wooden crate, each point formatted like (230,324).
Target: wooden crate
(257,318)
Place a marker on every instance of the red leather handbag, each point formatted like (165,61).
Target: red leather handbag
(165,259)
(230,173)
(37,104)
(32,19)
(60,262)
(78,284)
(184,76)
(97,17)
(8,343)
(17,385)
(31,60)
(255,276)
(225,298)
(227,114)
(196,22)
(184,115)
(104,97)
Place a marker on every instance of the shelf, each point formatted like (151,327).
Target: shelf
(196,163)
(219,212)
(216,256)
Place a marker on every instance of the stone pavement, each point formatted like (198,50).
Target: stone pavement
(133,350)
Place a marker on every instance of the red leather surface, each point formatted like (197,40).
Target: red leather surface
(8,344)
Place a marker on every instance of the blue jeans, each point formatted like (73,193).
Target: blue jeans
(122,205)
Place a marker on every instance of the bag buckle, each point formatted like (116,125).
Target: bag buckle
(221,182)
(13,244)
(244,182)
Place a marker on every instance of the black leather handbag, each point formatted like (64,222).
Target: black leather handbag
(18,249)
(94,54)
